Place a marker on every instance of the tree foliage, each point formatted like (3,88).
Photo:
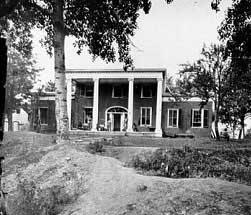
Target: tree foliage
(206,78)
(20,69)
(235,30)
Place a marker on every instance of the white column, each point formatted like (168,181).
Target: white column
(158,130)
(68,100)
(95,104)
(130,105)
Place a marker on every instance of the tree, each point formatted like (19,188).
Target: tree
(20,70)
(205,79)
(95,24)
(235,30)
(99,25)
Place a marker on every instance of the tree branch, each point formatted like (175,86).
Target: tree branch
(34,5)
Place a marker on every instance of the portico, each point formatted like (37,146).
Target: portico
(122,101)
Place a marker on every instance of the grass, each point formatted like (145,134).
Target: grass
(205,143)
(21,149)
(182,196)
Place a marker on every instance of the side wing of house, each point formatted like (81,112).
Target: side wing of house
(186,117)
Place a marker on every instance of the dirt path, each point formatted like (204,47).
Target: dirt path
(110,188)
(116,190)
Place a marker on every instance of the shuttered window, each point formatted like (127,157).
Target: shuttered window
(200,118)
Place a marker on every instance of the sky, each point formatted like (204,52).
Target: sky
(170,35)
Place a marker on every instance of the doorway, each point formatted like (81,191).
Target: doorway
(116,118)
(116,122)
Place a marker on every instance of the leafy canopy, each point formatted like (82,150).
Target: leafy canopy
(102,26)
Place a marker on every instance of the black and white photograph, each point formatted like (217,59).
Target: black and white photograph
(125,107)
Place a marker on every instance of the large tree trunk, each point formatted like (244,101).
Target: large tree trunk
(3,72)
(60,80)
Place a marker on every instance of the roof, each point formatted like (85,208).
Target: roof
(163,70)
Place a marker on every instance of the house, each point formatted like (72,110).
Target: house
(126,103)
(42,117)
(19,120)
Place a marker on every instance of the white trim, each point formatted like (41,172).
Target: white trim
(141,108)
(117,70)
(145,97)
(113,75)
(47,98)
(106,112)
(201,117)
(39,115)
(172,109)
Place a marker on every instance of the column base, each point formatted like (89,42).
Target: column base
(94,129)
(158,133)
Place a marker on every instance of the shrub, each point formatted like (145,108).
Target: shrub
(32,200)
(95,147)
(232,165)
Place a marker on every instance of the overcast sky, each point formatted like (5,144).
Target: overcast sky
(167,37)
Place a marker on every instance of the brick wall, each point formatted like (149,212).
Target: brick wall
(185,125)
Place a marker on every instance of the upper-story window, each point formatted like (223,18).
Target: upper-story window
(146,91)
(86,90)
(172,118)
(200,118)
(117,92)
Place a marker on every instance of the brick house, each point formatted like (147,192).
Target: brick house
(129,103)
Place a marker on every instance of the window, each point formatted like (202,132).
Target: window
(146,91)
(200,118)
(86,90)
(43,115)
(87,115)
(172,118)
(117,92)
(146,116)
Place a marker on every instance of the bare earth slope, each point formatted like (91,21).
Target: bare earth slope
(103,186)
(115,190)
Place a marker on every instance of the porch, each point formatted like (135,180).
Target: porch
(115,102)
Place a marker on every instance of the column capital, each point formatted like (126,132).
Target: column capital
(159,79)
(130,79)
(95,79)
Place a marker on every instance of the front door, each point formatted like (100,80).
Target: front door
(117,121)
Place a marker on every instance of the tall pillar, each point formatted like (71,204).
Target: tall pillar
(68,99)
(130,105)
(158,130)
(95,104)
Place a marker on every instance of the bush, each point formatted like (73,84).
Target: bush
(32,200)
(232,165)
(95,147)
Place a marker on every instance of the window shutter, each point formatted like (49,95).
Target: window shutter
(180,119)
(191,118)
(206,119)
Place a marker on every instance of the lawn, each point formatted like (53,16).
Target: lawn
(81,183)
